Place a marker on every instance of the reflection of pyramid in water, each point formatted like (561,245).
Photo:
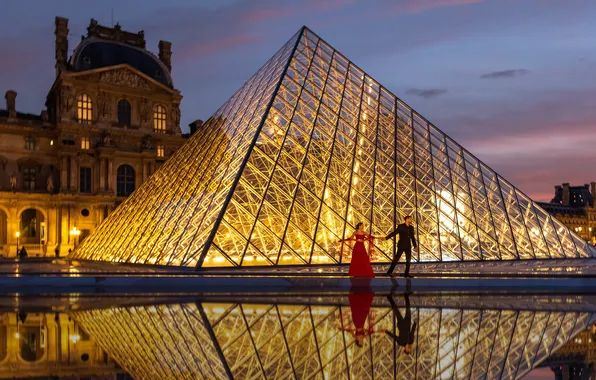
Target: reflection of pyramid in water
(308,147)
(269,341)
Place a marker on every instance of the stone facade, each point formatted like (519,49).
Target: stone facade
(574,206)
(50,345)
(105,130)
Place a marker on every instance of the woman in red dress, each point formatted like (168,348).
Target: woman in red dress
(360,265)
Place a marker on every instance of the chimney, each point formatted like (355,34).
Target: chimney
(11,103)
(593,191)
(566,193)
(61,44)
(165,54)
(195,126)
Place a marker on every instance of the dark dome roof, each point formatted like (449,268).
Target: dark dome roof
(93,53)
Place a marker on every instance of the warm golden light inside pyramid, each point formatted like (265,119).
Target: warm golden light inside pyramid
(281,341)
(307,148)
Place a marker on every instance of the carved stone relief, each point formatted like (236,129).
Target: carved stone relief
(103,106)
(176,118)
(144,112)
(124,78)
(67,102)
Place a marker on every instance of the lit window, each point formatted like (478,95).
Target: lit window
(30,143)
(123,113)
(84,108)
(84,142)
(159,119)
(161,151)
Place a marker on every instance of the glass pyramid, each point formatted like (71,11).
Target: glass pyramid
(307,148)
(248,340)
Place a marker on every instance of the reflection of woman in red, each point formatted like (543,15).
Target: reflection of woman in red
(360,265)
(360,310)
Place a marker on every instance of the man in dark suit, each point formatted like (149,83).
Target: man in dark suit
(406,329)
(407,239)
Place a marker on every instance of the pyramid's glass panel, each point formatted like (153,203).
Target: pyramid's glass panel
(249,340)
(307,148)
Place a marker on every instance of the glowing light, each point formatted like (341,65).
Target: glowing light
(17,335)
(275,190)
(74,338)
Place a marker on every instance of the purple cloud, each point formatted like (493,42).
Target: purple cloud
(505,74)
(427,94)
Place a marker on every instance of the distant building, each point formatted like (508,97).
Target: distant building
(112,117)
(574,206)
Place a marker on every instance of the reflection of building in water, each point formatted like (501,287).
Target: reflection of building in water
(575,360)
(44,345)
(281,341)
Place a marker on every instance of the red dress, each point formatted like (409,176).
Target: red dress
(360,307)
(360,265)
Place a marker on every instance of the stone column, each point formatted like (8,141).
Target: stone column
(12,226)
(144,170)
(52,230)
(110,175)
(102,174)
(74,173)
(52,345)
(64,173)
(64,325)
(64,228)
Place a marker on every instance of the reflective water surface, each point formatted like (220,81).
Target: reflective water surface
(298,336)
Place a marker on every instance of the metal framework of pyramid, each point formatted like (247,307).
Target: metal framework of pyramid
(307,148)
(281,341)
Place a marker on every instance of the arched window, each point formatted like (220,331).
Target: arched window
(123,113)
(31,222)
(31,343)
(159,119)
(84,108)
(125,181)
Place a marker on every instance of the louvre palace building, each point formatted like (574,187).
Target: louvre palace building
(111,117)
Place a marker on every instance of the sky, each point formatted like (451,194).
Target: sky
(510,80)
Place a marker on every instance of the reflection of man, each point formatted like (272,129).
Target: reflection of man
(406,335)
(406,240)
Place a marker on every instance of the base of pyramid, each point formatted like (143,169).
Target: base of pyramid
(494,269)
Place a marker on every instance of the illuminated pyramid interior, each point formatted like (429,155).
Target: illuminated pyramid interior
(307,148)
(281,341)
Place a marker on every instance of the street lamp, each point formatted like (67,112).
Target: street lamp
(18,235)
(75,234)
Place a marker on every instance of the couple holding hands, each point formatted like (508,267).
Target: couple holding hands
(360,264)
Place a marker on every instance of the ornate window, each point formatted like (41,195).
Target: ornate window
(29,178)
(29,142)
(123,113)
(125,180)
(84,108)
(85,143)
(159,119)
(85,180)
(161,151)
